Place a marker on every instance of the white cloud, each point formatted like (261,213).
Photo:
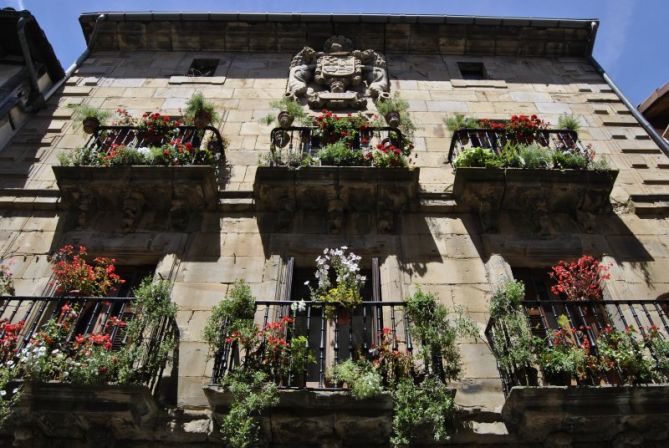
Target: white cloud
(615,28)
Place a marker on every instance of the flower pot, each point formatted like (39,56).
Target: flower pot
(91,125)
(202,119)
(393,119)
(343,317)
(528,376)
(285,119)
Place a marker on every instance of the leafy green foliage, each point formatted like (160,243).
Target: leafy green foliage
(196,104)
(534,156)
(568,160)
(436,331)
(477,157)
(234,313)
(252,393)
(400,105)
(459,121)
(362,379)
(6,282)
(81,112)
(339,154)
(512,339)
(291,106)
(429,403)
(569,122)
(623,351)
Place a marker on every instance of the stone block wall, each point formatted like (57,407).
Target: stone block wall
(435,246)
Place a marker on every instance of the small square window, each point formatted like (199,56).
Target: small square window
(203,67)
(472,70)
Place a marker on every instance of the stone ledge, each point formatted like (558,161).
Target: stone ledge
(588,413)
(72,410)
(171,193)
(378,193)
(538,192)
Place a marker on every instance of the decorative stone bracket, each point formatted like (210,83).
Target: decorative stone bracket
(584,414)
(536,193)
(168,195)
(338,192)
(97,414)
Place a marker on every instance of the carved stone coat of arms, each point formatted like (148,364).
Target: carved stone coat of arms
(338,77)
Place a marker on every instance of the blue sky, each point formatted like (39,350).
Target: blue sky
(631,42)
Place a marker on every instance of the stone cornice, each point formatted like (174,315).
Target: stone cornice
(288,33)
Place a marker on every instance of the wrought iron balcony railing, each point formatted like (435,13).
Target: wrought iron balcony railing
(106,137)
(93,314)
(350,333)
(495,139)
(589,319)
(297,141)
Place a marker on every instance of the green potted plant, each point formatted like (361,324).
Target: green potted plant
(289,111)
(200,112)
(90,117)
(394,111)
(567,360)
(345,290)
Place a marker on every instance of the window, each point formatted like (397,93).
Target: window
(95,314)
(203,67)
(352,335)
(472,70)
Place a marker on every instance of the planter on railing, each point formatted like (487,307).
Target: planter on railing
(583,193)
(351,332)
(165,192)
(591,319)
(595,403)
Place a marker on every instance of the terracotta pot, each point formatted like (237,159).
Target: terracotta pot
(202,119)
(285,119)
(393,119)
(91,125)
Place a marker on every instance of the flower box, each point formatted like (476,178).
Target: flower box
(314,417)
(62,410)
(589,413)
(536,191)
(171,192)
(335,191)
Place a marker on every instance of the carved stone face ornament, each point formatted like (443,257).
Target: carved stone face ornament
(338,77)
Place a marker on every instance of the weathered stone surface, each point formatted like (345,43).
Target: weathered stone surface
(172,192)
(590,413)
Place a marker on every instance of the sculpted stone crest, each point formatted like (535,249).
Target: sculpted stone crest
(339,76)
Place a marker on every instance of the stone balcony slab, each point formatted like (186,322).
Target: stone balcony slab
(337,191)
(488,191)
(171,193)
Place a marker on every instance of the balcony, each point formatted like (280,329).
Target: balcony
(624,372)
(149,174)
(361,180)
(573,185)
(312,409)
(45,337)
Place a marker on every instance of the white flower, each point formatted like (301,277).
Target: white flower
(16,389)
(2,393)
(143,150)
(10,363)
(55,352)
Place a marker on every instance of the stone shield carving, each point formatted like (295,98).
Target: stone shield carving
(339,76)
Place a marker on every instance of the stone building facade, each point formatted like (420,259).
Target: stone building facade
(140,61)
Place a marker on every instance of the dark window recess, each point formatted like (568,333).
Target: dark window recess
(203,67)
(354,327)
(94,314)
(296,289)
(472,70)
(538,288)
